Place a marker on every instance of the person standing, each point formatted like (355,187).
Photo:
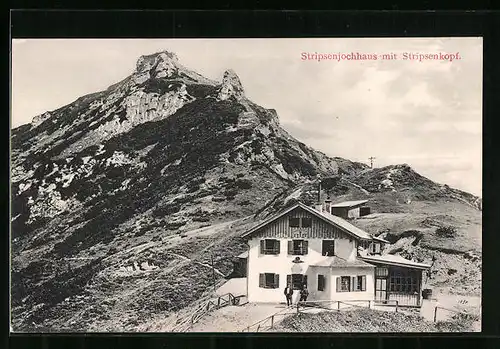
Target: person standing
(304,293)
(288,294)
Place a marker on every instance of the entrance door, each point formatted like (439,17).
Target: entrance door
(381,275)
(380,289)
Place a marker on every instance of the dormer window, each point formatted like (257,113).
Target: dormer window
(375,248)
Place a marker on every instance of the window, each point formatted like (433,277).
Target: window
(351,283)
(381,272)
(306,222)
(375,248)
(321,282)
(344,284)
(403,282)
(294,222)
(269,280)
(297,281)
(269,246)
(328,248)
(360,283)
(297,247)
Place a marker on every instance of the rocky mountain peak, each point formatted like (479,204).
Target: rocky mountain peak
(231,86)
(164,58)
(163,64)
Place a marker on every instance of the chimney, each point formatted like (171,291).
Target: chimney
(319,190)
(328,206)
(319,204)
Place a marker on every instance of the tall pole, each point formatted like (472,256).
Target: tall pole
(213,270)
(371,158)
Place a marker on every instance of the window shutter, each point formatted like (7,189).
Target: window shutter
(354,283)
(277,245)
(262,280)
(290,246)
(363,283)
(377,248)
(276,280)
(262,246)
(338,284)
(305,247)
(304,280)
(289,280)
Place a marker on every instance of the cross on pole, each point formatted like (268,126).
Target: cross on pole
(371,158)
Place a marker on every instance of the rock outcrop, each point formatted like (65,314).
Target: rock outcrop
(231,86)
(37,120)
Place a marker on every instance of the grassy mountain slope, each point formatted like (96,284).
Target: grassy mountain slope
(120,199)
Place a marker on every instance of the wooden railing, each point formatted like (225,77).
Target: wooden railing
(336,305)
(186,322)
(268,322)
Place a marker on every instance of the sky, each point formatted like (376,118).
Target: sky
(427,114)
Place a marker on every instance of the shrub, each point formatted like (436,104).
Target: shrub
(166,210)
(174,225)
(243,183)
(446,231)
(201,219)
(231,192)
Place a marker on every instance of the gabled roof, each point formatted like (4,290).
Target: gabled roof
(395,260)
(348,204)
(328,218)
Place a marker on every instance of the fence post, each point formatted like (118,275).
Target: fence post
(298,307)
(272,321)
(218,302)
(435,313)
(369,304)
(338,305)
(397,303)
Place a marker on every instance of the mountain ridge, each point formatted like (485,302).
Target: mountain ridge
(141,165)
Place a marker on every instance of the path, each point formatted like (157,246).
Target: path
(236,318)
(467,304)
(199,263)
(357,186)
